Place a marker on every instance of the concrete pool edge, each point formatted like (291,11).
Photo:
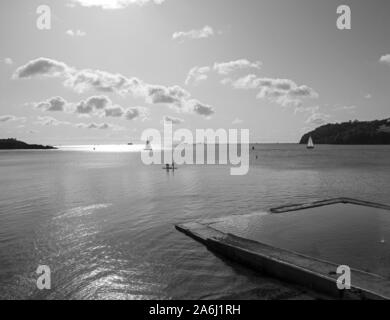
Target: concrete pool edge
(315,204)
(315,274)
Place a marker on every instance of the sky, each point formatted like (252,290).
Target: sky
(108,69)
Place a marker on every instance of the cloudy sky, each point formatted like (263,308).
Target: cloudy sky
(108,69)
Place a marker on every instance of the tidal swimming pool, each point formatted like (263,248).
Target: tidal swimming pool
(342,233)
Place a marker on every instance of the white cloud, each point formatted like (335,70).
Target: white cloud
(173,120)
(51,121)
(349,108)
(98,102)
(93,105)
(281,91)
(368,96)
(317,119)
(169,95)
(52,104)
(8,61)
(114,111)
(203,33)
(102,81)
(93,125)
(7,118)
(77,33)
(225,68)
(200,108)
(136,112)
(197,74)
(42,67)
(315,116)
(385,59)
(307,109)
(112,4)
(237,121)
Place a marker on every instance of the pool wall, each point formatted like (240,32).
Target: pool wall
(315,274)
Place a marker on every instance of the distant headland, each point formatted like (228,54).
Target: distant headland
(352,132)
(13,144)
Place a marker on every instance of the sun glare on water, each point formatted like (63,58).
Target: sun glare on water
(106,148)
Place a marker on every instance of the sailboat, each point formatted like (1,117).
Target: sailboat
(148,146)
(310,143)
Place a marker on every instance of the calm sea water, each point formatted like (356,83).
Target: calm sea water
(104,222)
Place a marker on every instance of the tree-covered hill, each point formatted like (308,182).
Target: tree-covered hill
(6,144)
(352,132)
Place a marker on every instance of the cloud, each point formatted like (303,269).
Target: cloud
(52,104)
(307,109)
(131,113)
(50,121)
(136,112)
(203,33)
(385,59)
(101,126)
(225,68)
(200,108)
(7,118)
(98,102)
(169,95)
(248,82)
(281,91)
(42,67)
(114,111)
(350,108)
(102,81)
(113,4)
(173,120)
(84,109)
(237,121)
(368,96)
(317,119)
(77,33)
(8,61)
(197,74)
(93,105)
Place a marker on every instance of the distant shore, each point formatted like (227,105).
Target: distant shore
(375,132)
(13,144)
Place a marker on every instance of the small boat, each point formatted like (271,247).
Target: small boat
(148,146)
(310,144)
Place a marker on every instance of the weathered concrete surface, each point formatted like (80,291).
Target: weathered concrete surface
(315,274)
(301,206)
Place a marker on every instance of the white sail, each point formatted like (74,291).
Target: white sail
(310,144)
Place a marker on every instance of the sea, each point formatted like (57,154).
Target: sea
(103,222)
